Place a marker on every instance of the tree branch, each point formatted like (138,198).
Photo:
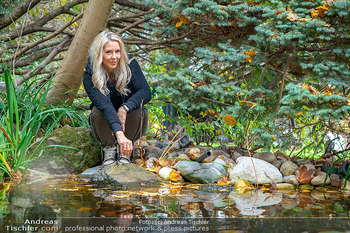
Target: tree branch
(18,12)
(41,66)
(282,84)
(58,31)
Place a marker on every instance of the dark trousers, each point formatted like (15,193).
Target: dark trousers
(135,126)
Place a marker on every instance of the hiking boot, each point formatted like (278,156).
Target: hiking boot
(109,153)
(124,159)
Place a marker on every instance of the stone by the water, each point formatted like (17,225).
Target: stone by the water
(265,171)
(125,176)
(201,173)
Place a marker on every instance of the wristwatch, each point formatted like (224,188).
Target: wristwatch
(125,108)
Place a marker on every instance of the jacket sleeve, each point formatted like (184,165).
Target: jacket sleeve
(140,90)
(100,101)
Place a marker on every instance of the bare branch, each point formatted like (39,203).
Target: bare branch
(18,12)
(131,16)
(133,25)
(58,31)
(46,61)
(282,84)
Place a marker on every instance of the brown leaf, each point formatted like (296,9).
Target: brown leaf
(273,185)
(303,175)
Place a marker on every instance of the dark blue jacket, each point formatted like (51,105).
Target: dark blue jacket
(109,104)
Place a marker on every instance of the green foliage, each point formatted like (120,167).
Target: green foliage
(23,118)
(251,59)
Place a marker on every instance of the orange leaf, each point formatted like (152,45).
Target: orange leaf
(230,120)
(243,102)
(223,181)
(303,175)
(175,175)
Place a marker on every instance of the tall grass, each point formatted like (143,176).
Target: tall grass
(23,117)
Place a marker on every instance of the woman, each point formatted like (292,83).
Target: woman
(118,90)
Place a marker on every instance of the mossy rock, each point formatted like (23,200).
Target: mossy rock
(60,160)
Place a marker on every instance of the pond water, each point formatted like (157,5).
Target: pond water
(71,205)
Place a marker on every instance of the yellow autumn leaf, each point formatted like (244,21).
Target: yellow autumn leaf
(223,181)
(273,137)
(192,84)
(230,120)
(242,184)
(178,24)
(349,101)
(292,16)
(175,175)
(243,102)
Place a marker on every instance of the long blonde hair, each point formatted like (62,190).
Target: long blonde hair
(122,73)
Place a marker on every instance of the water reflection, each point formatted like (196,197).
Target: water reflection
(57,198)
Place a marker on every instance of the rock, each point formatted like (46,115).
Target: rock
(285,186)
(161,145)
(235,155)
(122,177)
(288,168)
(172,155)
(203,173)
(222,148)
(335,177)
(244,170)
(164,172)
(266,156)
(227,160)
(320,179)
(184,156)
(300,162)
(59,160)
(277,163)
(194,153)
(347,186)
(291,180)
(152,151)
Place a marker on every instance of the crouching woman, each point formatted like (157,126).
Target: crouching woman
(118,91)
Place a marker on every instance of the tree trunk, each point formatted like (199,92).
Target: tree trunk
(68,77)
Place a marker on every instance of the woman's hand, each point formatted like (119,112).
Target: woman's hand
(124,143)
(122,117)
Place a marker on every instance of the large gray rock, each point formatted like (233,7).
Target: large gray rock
(202,173)
(59,160)
(125,176)
(265,171)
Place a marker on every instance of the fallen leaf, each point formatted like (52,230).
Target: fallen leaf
(175,175)
(242,184)
(223,181)
(273,185)
(303,175)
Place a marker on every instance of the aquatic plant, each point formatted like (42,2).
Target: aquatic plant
(20,124)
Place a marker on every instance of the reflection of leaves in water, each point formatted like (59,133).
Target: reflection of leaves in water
(305,200)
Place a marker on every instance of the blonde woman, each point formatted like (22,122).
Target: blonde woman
(118,90)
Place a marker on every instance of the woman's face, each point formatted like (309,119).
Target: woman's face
(111,55)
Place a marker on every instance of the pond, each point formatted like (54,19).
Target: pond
(71,205)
